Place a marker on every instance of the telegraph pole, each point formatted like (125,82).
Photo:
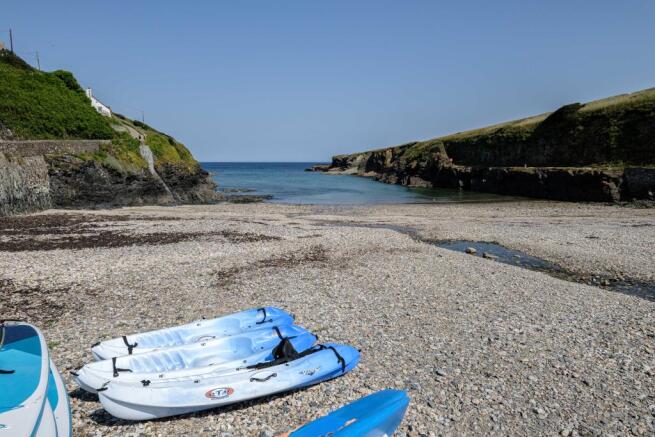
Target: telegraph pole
(11,41)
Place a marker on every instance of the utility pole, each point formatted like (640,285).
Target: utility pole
(11,41)
(38,63)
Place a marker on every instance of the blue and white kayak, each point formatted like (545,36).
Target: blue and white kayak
(194,332)
(151,399)
(33,400)
(24,367)
(375,415)
(195,359)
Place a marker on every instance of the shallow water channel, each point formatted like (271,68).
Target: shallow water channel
(505,255)
(496,252)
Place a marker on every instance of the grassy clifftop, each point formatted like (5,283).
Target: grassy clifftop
(615,131)
(42,105)
(52,105)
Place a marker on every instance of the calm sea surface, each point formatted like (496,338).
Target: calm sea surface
(287,182)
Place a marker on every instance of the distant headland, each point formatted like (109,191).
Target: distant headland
(602,151)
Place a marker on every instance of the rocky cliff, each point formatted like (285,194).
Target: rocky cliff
(57,151)
(600,151)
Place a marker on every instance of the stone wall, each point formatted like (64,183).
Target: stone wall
(42,147)
(24,184)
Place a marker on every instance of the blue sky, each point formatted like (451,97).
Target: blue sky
(303,80)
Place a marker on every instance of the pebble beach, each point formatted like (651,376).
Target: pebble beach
(482,347)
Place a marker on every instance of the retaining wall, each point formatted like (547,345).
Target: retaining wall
(24,184)
(42,147)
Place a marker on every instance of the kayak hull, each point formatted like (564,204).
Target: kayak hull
(198,331)
(375,415)
(162,398)
(206,358)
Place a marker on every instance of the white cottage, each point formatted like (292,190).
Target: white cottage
(100,107)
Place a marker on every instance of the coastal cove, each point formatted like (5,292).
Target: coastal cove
(313,219)
(288,182)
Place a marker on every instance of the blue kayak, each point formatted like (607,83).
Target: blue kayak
(375,415)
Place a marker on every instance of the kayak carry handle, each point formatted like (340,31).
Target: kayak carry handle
(272,375)
(263,310)
(129,346)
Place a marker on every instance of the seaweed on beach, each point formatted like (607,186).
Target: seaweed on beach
(36,303)
(315,254)
(109,239)
(78,231)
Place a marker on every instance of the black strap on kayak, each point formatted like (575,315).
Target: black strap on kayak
(97,343)
(74,373)
(104,386)
(116,369)
(339,357)
(282,353)
(6,372)
(129,346)
(263,310)
(285,352)
(145,382)
(277,331)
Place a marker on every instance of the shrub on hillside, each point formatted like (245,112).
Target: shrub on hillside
(69,80)
(37,105)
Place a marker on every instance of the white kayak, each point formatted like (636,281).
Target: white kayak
(195,359)
(198,331)
(151,399)
(33,399)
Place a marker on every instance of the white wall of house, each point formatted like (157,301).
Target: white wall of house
(97,104)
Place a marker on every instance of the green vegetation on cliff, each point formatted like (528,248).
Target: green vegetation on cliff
(41,105)
(52,105)
(165,148)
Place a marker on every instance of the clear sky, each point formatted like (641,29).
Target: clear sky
(303,80)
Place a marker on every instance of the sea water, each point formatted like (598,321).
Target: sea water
(288,182)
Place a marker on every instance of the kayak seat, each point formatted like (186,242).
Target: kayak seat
(235,349)
(162,361)
(179,336)
(161,338)
(168,360)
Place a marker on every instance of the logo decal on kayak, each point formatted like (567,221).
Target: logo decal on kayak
(219,393)
(310,372)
